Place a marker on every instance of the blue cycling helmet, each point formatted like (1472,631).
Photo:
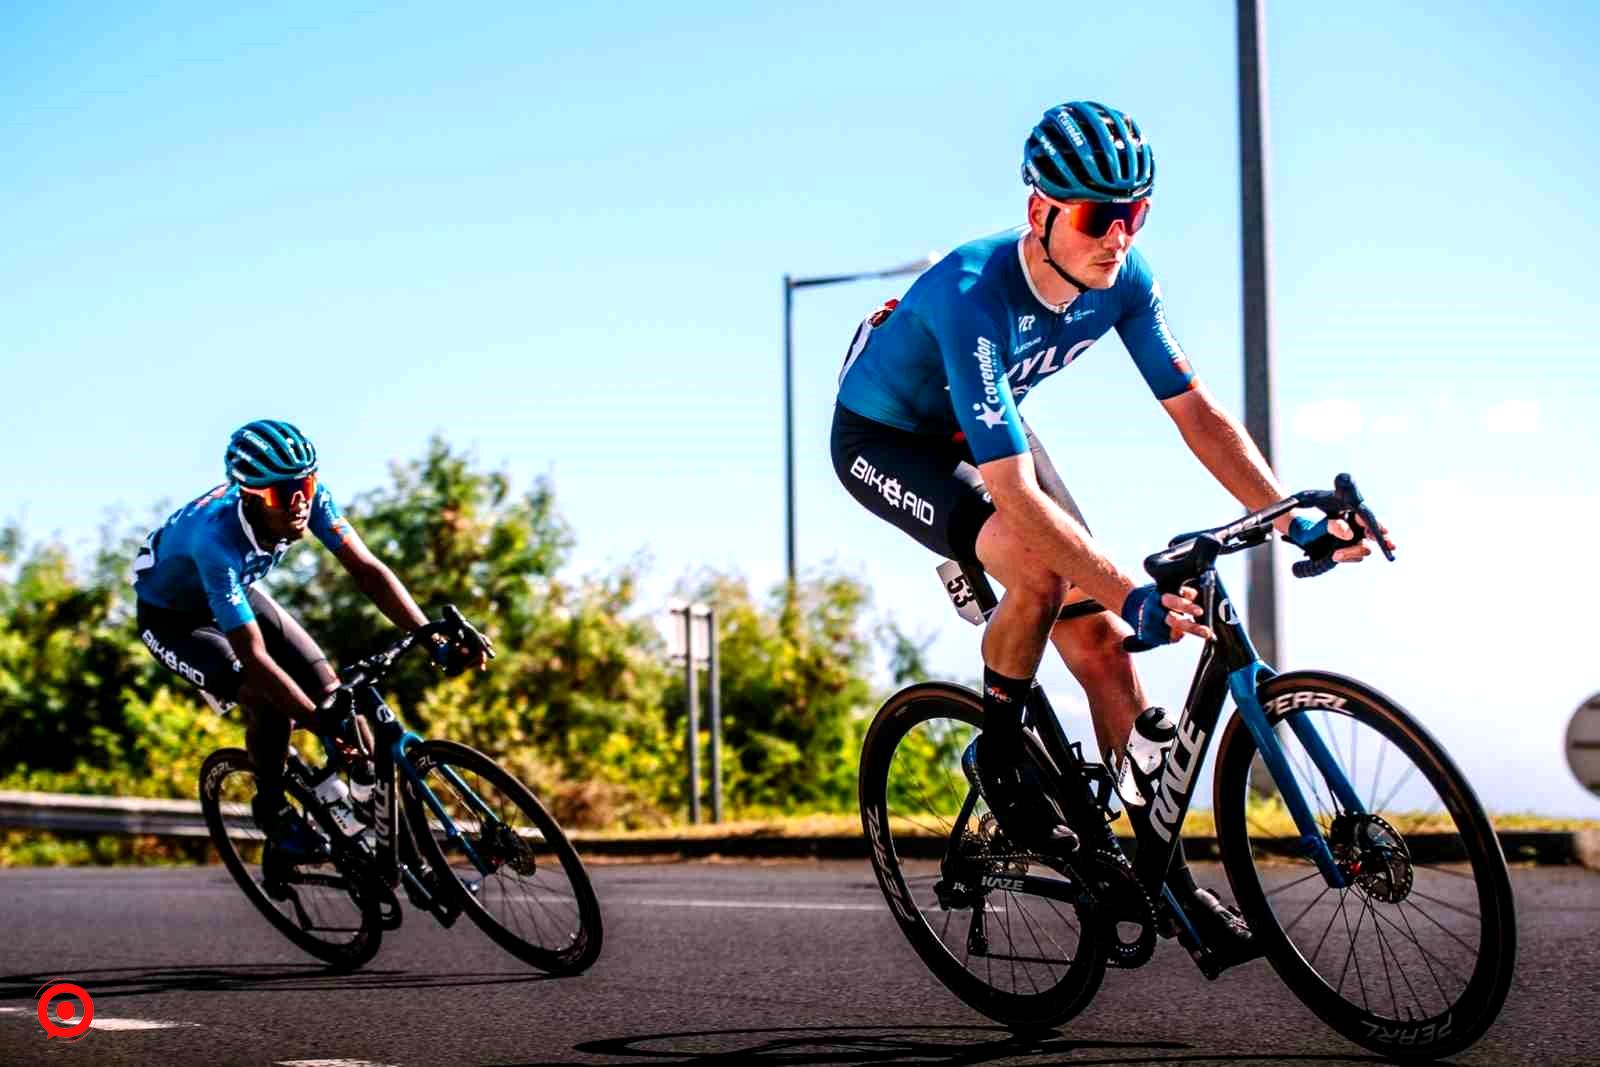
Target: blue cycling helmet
(1087,151)
(267,451)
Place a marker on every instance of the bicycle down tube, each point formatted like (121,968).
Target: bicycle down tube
(1230,665)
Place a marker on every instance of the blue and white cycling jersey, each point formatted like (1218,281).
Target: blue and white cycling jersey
(971,338)
(205,555)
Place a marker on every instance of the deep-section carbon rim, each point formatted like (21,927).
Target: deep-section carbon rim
(535,900)
(1414,956)
(325,912)
(1022,959)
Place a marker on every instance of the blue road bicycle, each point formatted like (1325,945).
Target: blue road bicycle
(1387,910)
(474,839)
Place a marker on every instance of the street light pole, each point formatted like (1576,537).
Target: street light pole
(790,284)
(788,423)
(1254,234)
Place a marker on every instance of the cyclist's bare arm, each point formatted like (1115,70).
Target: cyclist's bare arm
(378,582)
(1040,523)
(1225,448)
(266,685)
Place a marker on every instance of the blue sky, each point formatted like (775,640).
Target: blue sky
(558,238)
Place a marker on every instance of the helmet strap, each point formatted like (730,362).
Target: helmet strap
(1049,224)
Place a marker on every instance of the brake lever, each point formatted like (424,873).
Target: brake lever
(466,633)
(1344,487)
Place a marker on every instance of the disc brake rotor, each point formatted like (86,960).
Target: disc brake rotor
(1373,855)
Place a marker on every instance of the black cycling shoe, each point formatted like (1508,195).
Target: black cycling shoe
(1227,939)
(289,837)
(1028,815)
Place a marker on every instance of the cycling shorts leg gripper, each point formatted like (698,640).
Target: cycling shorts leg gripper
(922,483)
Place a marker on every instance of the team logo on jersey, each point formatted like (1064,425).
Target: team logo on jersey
(1025,323)
(991,412)
(990,417)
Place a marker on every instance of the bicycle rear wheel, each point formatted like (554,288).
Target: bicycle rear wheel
(1024,960)
(1413,958)
(322,907)
(535,899)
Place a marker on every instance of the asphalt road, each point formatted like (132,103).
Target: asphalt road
(790,963)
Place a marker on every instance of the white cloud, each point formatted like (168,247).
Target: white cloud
(1513,416)
(1328,420)
(1391,424)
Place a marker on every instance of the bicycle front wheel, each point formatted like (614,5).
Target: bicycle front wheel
(1413,956)
(328,909)
(510,866)
(1024,960)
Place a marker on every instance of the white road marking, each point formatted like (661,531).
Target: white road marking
(102,1022)
(758,905)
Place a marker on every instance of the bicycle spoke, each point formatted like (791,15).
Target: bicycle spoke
(1444,904)
(1404,977)
(1383,958)
(1354,944)
(1377,774)
(1327,929)
(1037,948)
(1445,929)
(1012,945)
(1427,955)
(1326,890)
(1297,881)
(1410,770)
(1444,870)
(1427,962)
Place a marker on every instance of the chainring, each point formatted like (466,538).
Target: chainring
(1118,900)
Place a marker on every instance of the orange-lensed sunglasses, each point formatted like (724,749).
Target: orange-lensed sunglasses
(281,495)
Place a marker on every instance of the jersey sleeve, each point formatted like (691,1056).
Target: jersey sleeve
(1144,330)
(972,334)
(219,578)
(327,521)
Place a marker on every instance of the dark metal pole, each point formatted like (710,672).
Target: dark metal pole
(713,682)
(788,423)
(790,284)
(1254,233)
(689,680)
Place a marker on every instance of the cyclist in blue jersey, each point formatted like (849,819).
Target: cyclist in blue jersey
(201,615)
(927,435)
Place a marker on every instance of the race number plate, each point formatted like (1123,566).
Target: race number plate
(961,592)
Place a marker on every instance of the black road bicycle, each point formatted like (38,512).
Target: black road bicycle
(474,839)
(1388,910)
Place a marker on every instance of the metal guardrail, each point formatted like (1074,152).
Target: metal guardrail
(133,816)
(74,814)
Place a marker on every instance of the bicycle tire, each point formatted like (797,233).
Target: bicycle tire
(582,934)
(1381,888)
(1081,974)
(345,955)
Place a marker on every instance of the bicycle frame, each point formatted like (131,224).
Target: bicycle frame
(1229,665)
(392,743)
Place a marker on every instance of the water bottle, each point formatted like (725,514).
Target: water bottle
(335,797)
(1152,736)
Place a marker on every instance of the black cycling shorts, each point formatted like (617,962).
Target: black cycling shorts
(927,484)
(192,647)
